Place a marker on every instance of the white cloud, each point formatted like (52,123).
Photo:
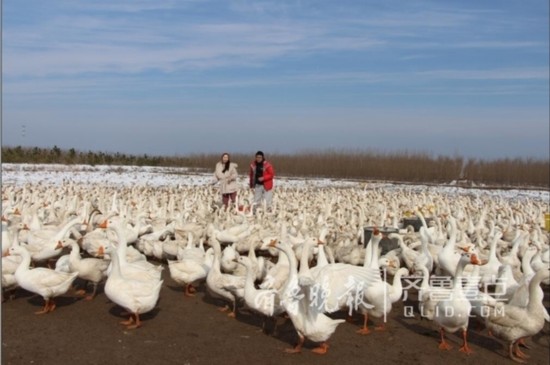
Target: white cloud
(274,61)
(526,73)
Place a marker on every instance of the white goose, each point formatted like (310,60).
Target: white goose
(489,271)
(138,269)
(228,260)
(258,264)
(429,296)
(48,248)
(7,234)
(9,283)
(425,257)
(222,285)
(477,298)
(396,289)
(263,301)
(513,323)
(322,260)
(335,286)
(308,321)
(506,285)
(541,260)
(512,258)
(90,269)
(136,296)
(63,264)
(277,275)
(407,254)
(191,269)
(453,313)
(45,282)
(350,253)
(190,251)
(448,258)
(520,297)
(376,294)
(10,263)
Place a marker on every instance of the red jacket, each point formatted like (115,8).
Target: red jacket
(268,175)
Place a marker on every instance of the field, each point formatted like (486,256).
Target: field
(191,331)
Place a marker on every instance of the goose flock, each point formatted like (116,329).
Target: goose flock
(305,259)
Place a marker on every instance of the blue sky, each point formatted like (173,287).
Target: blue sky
(468,78)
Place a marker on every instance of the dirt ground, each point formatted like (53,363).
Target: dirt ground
(190,331)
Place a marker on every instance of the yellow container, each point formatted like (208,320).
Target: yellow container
(547,222)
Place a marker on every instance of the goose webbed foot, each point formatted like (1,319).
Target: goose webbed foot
(465,348)
(233,313)
(322,349)
(52,306)
(381,327)
(365,329)
(518,352)
(49,306)
(224,309)
(512,355)
(92,296)
(444,345)
(190,290)
(298,348)
(46,307)
(136,324)
(129,321)
(521,342)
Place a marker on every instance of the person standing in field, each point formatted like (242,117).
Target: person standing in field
(261,180)
(226,174)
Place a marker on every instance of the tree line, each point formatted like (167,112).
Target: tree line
(411,167)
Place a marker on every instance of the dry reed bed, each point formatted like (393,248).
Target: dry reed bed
(342,164)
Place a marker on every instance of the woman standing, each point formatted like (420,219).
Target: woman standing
(226,174)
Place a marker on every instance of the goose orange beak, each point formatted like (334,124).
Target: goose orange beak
(474,260)
(103,224)
(101,251)
(272,243)
(59,245)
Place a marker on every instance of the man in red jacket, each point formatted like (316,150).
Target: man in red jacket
(261,180)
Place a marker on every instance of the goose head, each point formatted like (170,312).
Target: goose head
(469,258)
